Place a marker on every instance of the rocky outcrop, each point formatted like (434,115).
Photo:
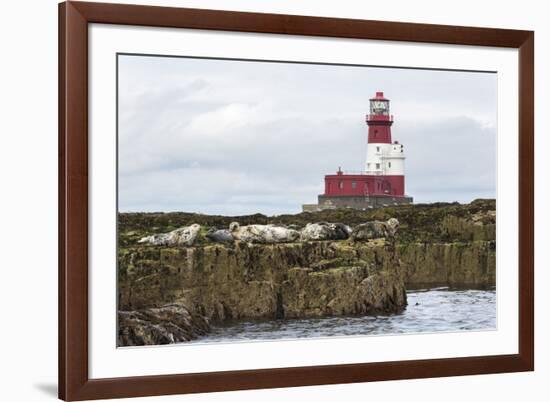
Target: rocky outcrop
(245,280)
(468,260)
(219,278)
(159,326)
(417,222)
(477,227)
(456,265)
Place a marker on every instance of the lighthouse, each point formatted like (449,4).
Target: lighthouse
(382,182)
(385,157)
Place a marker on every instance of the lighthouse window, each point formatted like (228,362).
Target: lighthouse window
(377,149)
(377,166)
(341,185)
(389,164)
(353,184)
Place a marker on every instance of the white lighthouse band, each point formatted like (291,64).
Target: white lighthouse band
(385,159)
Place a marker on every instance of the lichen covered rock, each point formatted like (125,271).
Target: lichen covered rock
(159,326)
(417,222)
(267,275)
(246,280)
(456,265)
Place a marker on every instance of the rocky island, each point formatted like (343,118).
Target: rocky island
(171,289)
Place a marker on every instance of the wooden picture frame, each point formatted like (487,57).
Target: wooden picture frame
(74,381)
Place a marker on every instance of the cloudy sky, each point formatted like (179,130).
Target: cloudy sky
(240,137)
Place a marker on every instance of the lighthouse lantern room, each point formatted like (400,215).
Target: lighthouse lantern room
(382,182)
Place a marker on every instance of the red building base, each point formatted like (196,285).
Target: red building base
(360,191)
(341,184)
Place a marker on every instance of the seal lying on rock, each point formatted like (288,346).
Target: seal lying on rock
(325,231)
(375,230)
(184,236)
(219,236)
(263,233)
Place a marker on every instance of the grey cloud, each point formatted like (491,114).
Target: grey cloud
(235,138)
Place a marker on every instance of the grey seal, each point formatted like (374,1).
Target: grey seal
(325,231)
(219,235)
(375,230)
(184,236)
(266,234)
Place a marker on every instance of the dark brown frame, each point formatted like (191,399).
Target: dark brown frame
(74,18)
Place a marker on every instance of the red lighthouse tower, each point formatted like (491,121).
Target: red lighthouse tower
(379,120)
(382,182)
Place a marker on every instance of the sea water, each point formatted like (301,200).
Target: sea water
(436,310)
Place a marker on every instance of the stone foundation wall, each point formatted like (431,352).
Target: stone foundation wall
(355,202)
